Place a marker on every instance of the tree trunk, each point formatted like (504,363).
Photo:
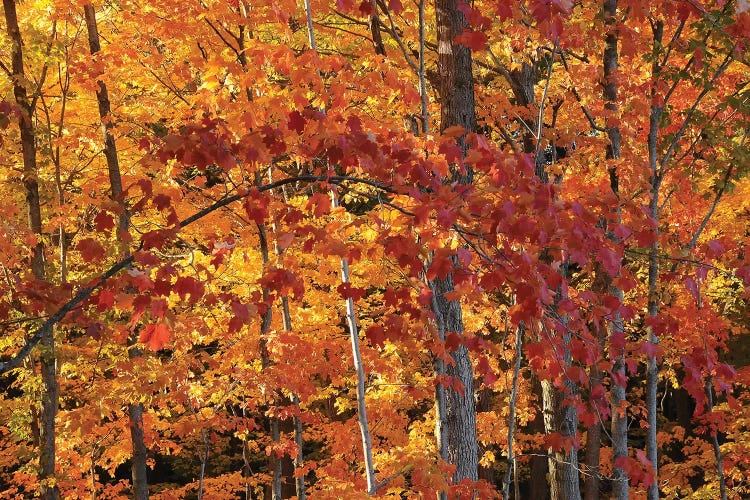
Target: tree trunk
(274,461)
(351,317)
(593,447)
(298,460)
(549,408)
(558,416)
(539,487)
(135,410)
(48,407)
(457,108)
(377,37)
(140,453)
(512,462)
(619,426)
(653,268)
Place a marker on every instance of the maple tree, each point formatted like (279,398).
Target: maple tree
(353,249)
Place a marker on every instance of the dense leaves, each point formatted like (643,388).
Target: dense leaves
(252,165)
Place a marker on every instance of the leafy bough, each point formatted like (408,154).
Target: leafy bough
(85,292)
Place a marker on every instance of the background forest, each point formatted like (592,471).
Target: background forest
(374,248)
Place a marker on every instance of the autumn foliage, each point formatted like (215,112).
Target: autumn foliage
(255,165)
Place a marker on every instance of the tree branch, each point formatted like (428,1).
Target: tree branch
(85,292)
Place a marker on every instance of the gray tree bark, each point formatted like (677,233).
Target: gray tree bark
(619,425)
(652,380)
(458,422)
(274,461)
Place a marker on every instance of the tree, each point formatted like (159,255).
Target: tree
(534,249)
(26,106)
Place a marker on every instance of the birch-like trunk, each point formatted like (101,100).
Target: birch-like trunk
(652,380)
(618,389)
(351,318)
(512,465)
(274,461)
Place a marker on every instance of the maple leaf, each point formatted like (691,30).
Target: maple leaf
(157,238)
(91,250)
(365,7)
(155,336)
(94,330)
(104,221)
(504,9)
(452,341)
(395,6)
(441,265)
(296,122)
(454,131)
(347,291)
(161,201)
(345,5)
(715,248)
(256,206)
(376,335)
(484,369)
(445,218)
(554,441)
(609,260)
(105,300)
(692,287)
(320,204)
(187,285)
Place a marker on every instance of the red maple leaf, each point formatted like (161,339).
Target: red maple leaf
(104,221)
(91,250)
(347,291)
(188,285)
(376,335)
(155,336)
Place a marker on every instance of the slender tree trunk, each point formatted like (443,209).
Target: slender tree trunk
(549,408)
(560,415)
(539,487)
(458,420)
(715,443)
(422,83)
(274,461)
(135,410)
(364,427)
(48,407)
(512,413)
(299,459)
(377,37)
(557,415)
(619,426)
(351,317)
(286,316)
(712,432)
(653,266)
(593,447)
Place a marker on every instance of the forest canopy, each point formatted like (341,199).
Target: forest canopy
(378,248)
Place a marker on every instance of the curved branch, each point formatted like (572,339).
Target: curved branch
(85,292)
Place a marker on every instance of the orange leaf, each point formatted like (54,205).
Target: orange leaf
(155,336)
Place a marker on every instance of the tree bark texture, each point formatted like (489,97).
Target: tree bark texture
(139,474)
(49,396)
(457,108)
(653,268)
(619,424)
